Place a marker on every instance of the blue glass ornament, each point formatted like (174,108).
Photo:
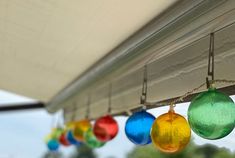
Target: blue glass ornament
(138,127)
(71,139)
(53,145)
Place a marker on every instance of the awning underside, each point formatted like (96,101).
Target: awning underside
(47,44)
(44,45)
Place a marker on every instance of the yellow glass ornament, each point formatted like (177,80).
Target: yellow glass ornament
(47,138)
(79,128)
(170,132)
(70,125)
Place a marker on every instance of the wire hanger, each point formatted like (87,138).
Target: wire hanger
(74,112)
(88,106)
(110,99)
(210,72)
(143,97)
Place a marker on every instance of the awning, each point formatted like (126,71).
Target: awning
(68,53)
(175,48)
(44,45)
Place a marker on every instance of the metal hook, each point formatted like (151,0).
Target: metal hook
(210,73)
(143,97)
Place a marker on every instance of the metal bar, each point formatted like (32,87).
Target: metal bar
(229,90)
(26,106)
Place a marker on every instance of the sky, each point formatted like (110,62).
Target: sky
(22,133)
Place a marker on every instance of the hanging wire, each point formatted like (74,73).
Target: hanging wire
(210,72)
(143,96)
(56,120)
(53,122)
(60,121)
(88,106)
(74,109)
(110,99)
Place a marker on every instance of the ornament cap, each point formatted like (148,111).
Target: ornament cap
(212,88)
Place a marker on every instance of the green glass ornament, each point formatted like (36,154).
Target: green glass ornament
(211,114)
(91,140)
(56,133)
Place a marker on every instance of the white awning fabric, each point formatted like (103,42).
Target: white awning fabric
(175,48)
(45,44)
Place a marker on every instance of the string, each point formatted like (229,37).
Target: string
(182,97)
(129,110)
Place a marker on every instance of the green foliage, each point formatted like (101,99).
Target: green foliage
(83,152)
(191,151)
(49,154)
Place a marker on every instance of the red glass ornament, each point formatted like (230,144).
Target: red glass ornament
(105,128)
(63,140)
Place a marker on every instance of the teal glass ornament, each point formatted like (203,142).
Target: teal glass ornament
(91,140)
(211,114)
(53,145)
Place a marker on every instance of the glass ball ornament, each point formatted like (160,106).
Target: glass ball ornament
(53,145)
(138,127)
(56,133)
(48,137)
(70,125)
(71,139)
(91,140)
(105,128)
(170,132)
(79,128)
(211,114)
(63,139)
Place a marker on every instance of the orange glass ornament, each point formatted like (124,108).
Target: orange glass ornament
(170,132)
(79,128)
